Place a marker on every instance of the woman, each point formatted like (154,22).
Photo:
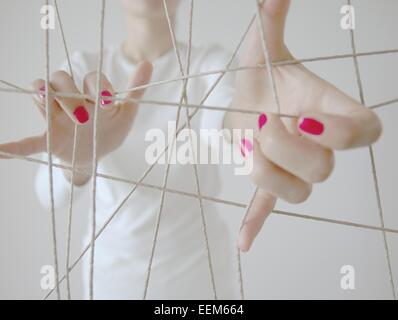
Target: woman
(289,155)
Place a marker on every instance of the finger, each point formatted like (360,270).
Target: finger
(359,128)
(301,157)
(274,13)
(141,77)
(262,205)
(75,108)
(25,147)
(277,181)
(39,85)
(106,89)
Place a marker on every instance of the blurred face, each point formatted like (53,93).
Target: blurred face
(148,8)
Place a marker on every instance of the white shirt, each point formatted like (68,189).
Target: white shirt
(180,268)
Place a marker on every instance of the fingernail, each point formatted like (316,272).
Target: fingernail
(311,126)
(106,93)
(262,120)
(246,146)
(42,93)
(81,114)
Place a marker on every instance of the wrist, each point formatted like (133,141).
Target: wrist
(80,174)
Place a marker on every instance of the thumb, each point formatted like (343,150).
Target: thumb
(275,8)
(262,205)
(25,147)
(141,77)
(136,85)
(274,14)
(273,20)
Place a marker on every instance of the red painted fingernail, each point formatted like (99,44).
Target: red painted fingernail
(81,114)
(106,93)
(246,145)
(42,93)
(311,126)
(262,120)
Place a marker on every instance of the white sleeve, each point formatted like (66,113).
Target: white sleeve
(80,64)
(216,59)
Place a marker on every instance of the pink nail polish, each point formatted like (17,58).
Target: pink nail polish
(106,93)
(262,120)
(311,126)
(42,93)
(246,145)
(81,114)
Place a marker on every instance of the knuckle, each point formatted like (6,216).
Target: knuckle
(256,175)
(299,194)
(347,139)
(268,143)
(259,174)
(59,75)
(272,10)
(376,127)
(323,169)
(91,76)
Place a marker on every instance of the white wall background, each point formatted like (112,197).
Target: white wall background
(292,258)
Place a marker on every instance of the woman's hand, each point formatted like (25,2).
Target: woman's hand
(291,154)
(115,119)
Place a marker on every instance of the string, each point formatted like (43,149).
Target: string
(264,43)
(271,78)
(163,103)
(95,154)
(383,104)
(119,179)
(165,179)
(228,70)
(308,217)
(278,212)
(373,161)
(238,252)
(195,168)
(182,99)
(244,68)
(165,150)
(188,194)
(50,160)
(72,177)
(197,107)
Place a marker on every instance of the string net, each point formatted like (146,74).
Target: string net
(186,110)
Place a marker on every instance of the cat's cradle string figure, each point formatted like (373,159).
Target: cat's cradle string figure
(263,65)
